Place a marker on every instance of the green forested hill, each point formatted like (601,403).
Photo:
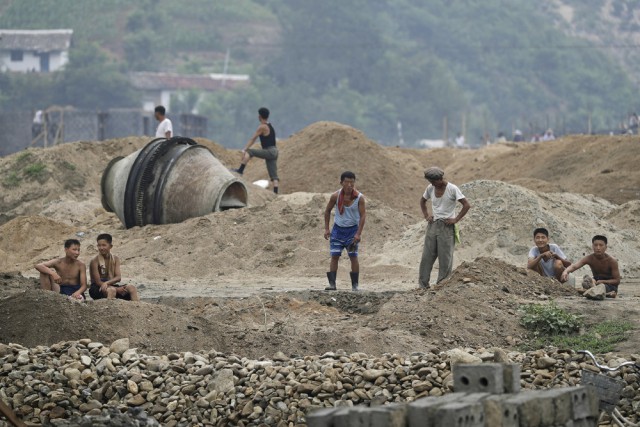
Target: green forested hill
(495,65)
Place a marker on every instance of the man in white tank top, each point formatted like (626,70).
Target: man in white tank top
(439,241)
(347,228)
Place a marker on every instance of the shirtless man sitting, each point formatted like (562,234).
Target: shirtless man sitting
(603,267)
(66,275)
(104,271)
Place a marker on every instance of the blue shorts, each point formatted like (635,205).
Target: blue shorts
(69,290)
(341,237)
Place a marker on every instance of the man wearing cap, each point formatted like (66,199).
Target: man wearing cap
(439,241)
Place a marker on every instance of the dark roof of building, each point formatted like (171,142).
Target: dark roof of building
(35,40)
(172,81)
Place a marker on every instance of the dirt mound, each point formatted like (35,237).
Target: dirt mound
(626,215)
(27,237)
(35,317)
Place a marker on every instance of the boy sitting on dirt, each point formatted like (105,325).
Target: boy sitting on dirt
(66,275)
(347,228)
(547,258)
(603,267)
(105,274)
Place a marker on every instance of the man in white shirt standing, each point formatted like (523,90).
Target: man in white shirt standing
(439,241)
(165,128)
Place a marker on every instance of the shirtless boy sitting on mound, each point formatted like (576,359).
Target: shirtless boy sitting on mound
(105,274)
(66,275)
(603,267)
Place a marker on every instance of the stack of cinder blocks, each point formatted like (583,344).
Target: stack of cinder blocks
(486,395)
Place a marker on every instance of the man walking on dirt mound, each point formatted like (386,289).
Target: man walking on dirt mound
(165,128)
(547,258)
(442,231)
(268,152)
(347,228)
(604,268)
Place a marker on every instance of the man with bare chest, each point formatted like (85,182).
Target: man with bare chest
(66,275)
(439,242)
(604,268)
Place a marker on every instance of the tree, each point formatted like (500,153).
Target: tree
(92,81)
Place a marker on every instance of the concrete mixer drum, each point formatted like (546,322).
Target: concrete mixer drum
(169,181)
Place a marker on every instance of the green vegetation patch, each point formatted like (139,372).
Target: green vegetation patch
(35,170)
(551,325)
(12,180)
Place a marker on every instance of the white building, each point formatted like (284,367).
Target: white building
(34,50)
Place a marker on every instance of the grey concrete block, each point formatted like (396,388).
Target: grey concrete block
(460,414)
(321,417)
(485,378)
(388,416)
(511,374)
(420,413)
(343,416)
(498,412)
(584,402)
(529,408)
(585,422)
(561,400)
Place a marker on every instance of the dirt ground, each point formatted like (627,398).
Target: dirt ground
(251,281)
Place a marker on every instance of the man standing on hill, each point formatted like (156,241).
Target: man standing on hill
(268,152)
(440,239)
(165,128)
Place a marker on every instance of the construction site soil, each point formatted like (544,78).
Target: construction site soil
(251,281)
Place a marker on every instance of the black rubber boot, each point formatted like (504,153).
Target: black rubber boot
(354,281)
(331,276)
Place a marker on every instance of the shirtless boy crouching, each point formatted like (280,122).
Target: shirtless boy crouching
(105,274)
(66,275)
(604,268)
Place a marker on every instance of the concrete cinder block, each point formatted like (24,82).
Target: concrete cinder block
(498,412)
(345,416)
(460,414)
(388,416)
(485,378)
(561,400)
(511,374)
(585,422)
(321,417)
(529,408)
(584,402)
(421,412)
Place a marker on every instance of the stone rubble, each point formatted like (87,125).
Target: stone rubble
(85,380)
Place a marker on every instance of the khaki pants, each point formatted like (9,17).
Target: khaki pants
(439,242)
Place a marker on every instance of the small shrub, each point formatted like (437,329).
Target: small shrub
(549,319)
(12,180)
(69,166)
(23,157)
(35,170)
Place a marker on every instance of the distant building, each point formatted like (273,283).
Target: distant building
(157,88)
(39,51)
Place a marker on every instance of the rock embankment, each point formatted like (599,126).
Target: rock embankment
(89,379)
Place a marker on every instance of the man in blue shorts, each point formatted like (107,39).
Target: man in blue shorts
(347,228)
